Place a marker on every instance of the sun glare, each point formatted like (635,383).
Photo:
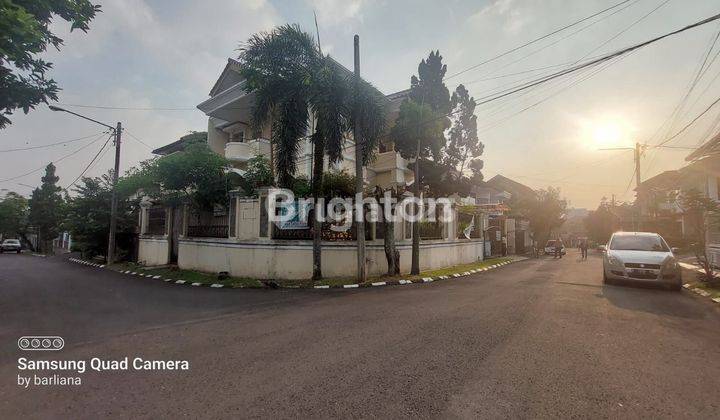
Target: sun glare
(609,133)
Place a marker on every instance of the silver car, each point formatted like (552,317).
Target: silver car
(641,257)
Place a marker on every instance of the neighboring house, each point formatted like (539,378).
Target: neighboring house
(179,145)
(511,233)
(704,168)
(241,240)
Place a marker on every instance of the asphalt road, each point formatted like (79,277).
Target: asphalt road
(539,338)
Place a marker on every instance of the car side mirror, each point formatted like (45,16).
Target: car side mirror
(675,250)
(602,248)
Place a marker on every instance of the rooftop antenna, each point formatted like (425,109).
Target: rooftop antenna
(317,31)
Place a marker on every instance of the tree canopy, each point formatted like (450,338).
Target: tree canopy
(47,208)
(13,215)
(26,33)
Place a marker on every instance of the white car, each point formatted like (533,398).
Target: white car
(641,257)
(550,247)
(10,245)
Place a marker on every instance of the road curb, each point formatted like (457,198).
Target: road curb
(423,280)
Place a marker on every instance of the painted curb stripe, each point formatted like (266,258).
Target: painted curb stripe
(716,300)
(350,286)
(379,283)
(168,280)
(180,282)
(404,282)
(197,284)
(156,277)
(216,285)
(324,286)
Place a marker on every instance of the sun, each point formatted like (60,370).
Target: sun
(609,133)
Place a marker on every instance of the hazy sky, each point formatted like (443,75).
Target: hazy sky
(168,54)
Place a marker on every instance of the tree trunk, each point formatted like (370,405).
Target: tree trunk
(415,266)
(318,160)
(392,256)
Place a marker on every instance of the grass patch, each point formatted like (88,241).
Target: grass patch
(187,275)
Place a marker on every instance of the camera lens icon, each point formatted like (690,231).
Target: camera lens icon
(41,343)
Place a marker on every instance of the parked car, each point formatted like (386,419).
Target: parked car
(10,245)
(550,247)
(641,257)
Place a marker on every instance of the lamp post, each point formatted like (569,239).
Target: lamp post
(117,130)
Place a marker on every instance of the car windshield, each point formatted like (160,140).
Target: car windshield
(638,243)
(550,243)
(12,241)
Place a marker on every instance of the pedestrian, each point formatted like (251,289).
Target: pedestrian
(558,249)
(584,248)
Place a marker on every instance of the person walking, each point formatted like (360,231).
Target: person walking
(558,249)
(584,248)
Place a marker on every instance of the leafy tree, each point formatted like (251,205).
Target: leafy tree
(196,174)
(13,215)
(291,78)
(25,25)
(88,216)
(545,212)
(464,148)
(257,174)
(46,209)
(600,223)
(702,214)
(428,86)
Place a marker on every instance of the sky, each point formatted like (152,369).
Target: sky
(167,54)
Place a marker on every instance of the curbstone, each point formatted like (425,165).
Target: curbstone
(197,284)
(180,282)
(379,283)
(427,279)
(216,285)
(323,286)
(350,286)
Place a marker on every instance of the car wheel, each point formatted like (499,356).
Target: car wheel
(18,251)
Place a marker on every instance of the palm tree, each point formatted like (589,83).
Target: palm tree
(291,78)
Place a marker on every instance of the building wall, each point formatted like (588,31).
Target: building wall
(293,259)
(153,251)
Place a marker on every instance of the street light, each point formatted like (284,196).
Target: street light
(113,202)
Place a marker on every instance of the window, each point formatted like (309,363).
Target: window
(156,221)
(638,243)
(237,136)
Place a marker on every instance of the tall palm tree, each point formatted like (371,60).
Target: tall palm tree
(291,78)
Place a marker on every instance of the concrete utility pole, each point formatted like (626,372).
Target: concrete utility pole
(113,202)
(114,199)
(359,182)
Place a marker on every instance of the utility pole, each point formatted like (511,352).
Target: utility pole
(114,199)
(359,182)
(638,153)
(117,130)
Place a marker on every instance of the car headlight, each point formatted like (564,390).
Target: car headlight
(613,260)
(670,265)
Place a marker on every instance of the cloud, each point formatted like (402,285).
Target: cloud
(512,16)
(334,12)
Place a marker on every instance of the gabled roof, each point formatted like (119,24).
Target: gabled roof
(180,144)
(513,187)
(231,71)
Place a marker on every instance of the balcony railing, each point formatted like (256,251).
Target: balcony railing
(246,150)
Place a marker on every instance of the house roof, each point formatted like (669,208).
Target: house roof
(181,143)
(710,147)
(662,181)
(513,187)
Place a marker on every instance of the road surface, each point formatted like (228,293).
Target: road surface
(539,338)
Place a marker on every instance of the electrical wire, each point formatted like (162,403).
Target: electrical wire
(535,40)
(50,145)
(91,161)
(56,160)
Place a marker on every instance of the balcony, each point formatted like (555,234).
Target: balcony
(244,151)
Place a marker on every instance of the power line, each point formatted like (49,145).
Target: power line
(91,161)
(535,40)
(691,122)
(54,161)
(138,140)
(50,145)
